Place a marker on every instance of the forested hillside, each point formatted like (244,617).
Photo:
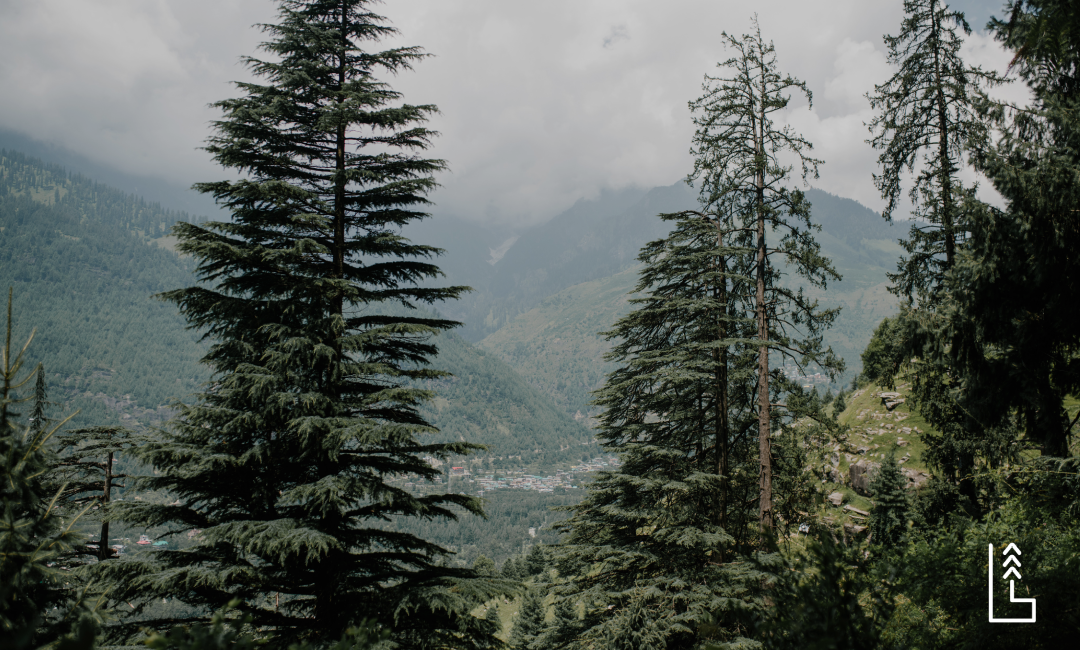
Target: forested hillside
(556,345)
(85,275)
(77,255)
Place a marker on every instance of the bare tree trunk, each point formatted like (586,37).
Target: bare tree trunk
(339,189)
(765,505)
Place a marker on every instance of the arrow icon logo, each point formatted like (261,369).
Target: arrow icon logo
(1012,584)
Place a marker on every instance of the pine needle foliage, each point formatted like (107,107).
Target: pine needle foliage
(530,621)
(663,538)
(658,548)
(1011,332)
(927,107)
(283,463)
(889,516)
(41,601)
(830,598)
(652,535)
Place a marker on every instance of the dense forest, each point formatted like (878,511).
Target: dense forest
(77,254)
(265,431)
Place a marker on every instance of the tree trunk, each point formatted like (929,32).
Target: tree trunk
(720,356)
(339,184)
(765,506)
(944,164)
(103,544)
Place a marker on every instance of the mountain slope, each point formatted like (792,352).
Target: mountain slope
(84,271)
(556,346)
(83,275)
(593,239)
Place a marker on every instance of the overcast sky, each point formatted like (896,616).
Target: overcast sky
(542,103)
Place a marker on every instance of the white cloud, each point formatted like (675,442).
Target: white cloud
(541,103)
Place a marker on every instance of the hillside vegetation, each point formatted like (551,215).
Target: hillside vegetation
(83,273)
(85,261)
(556,345)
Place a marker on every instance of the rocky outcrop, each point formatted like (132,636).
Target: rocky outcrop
(860,474)
(891,400)
(915,478)
(854,530)
(852,508)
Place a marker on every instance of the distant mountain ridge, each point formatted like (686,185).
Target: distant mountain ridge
(601,237)
(152,190)
(554,341)
(82,260)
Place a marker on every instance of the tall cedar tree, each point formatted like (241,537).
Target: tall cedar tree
(740,153)
(679,411)
(1016,290)
(926,119)
(41,601)
(656,543)
(284,462)
(928,108)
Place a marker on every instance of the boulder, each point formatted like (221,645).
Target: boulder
(860,475)
(835,476)
(836,498)
(915,477)
(854,529)
(834,459)
(852,508)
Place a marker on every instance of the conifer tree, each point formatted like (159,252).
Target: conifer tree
(39,419)
(283,462)
(530,621)
(678,410)
(927,108)
(536,561)
(839,404)
(1011,332)
(86,472)
(826,597)
(740,159)
(41,602)
(660,537)
(563,629)
(888,518)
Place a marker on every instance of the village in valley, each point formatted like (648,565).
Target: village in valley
(465,479)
